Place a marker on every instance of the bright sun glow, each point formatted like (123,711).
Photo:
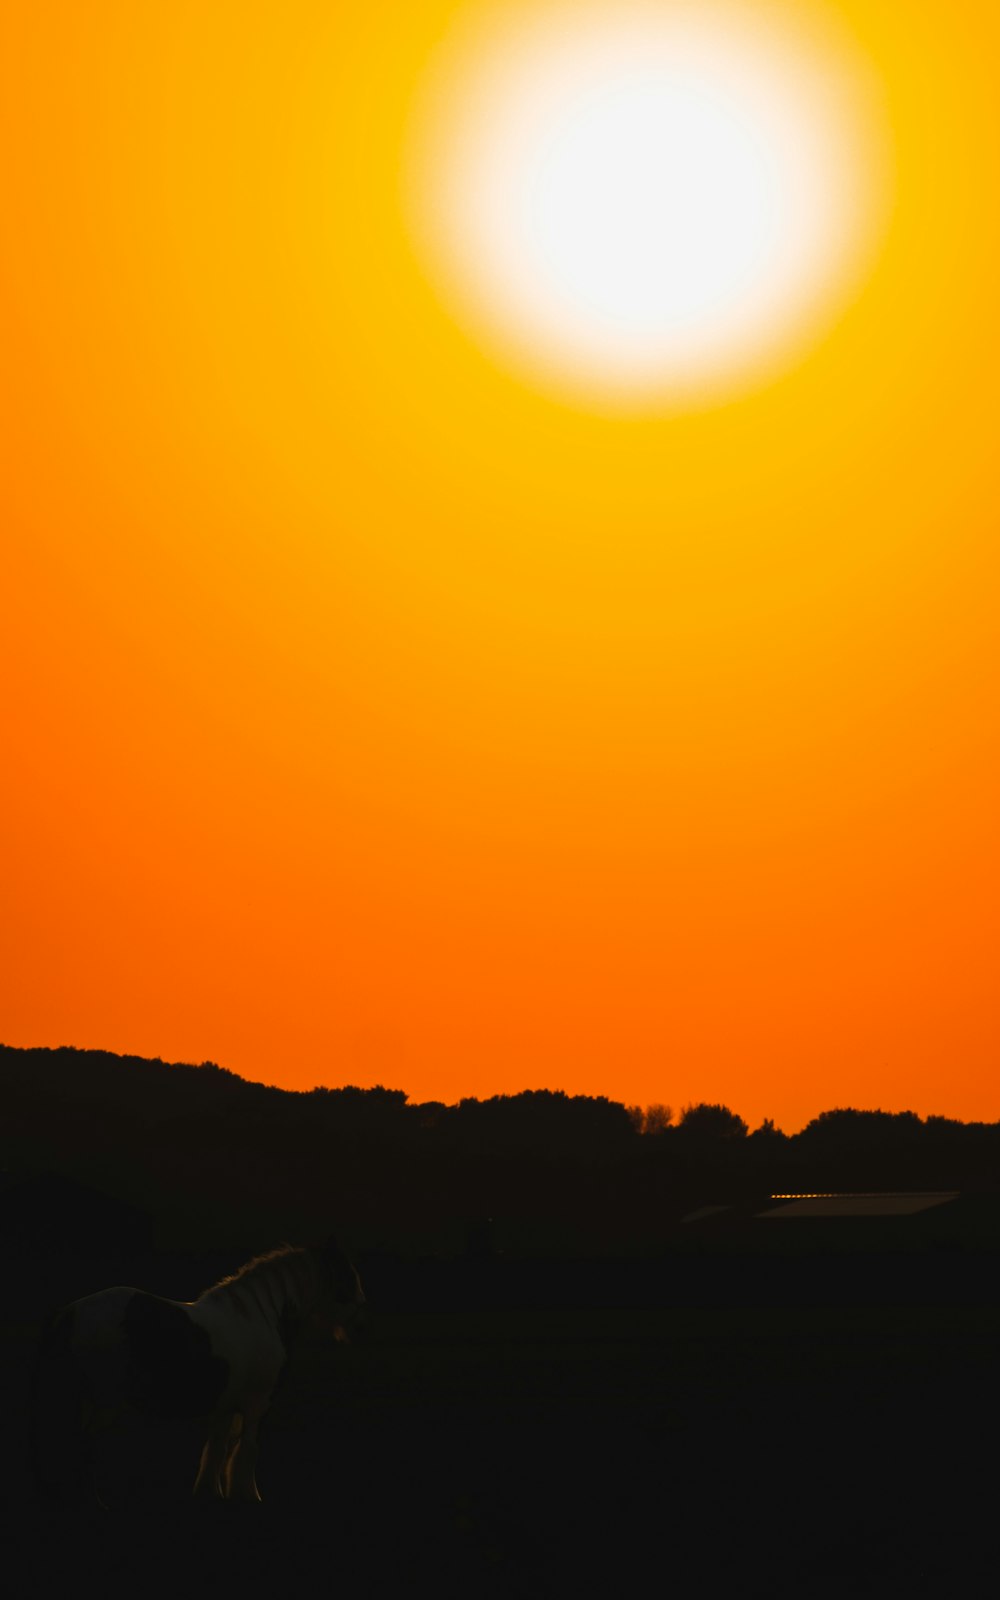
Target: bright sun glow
(646,202)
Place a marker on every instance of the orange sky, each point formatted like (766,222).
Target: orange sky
(372,717)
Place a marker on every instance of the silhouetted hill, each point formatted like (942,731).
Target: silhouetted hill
(213,1159)
(593,1353)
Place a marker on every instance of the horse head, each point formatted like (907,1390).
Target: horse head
(342,1310)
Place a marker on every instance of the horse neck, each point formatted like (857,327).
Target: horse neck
(283,1290)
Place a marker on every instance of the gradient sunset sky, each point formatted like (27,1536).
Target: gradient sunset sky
(372,714)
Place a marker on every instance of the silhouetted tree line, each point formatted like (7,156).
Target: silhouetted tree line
(212,1158)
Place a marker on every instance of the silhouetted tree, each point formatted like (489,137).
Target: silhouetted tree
(655,1118)
(712,1122)
(362,1110)
(546,1119)
(429,1113)
(768,1134)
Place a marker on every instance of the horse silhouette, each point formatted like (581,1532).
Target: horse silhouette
(123,1351)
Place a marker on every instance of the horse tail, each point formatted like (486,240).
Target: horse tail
(60,1455)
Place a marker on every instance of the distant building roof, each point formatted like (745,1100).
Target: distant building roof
(903,1204)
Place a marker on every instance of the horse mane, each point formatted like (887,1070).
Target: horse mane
(262,1263)
(284,1264)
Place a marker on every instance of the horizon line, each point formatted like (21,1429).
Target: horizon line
(507,1094)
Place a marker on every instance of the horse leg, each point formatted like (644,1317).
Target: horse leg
(241,1482)
(232,1445)
(209,1482)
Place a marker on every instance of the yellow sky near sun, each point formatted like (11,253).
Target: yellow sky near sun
(373,716)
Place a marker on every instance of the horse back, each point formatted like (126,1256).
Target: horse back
(139,1350)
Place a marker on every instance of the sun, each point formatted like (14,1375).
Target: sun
(646,202)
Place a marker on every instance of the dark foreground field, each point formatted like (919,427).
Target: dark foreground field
(543,1430)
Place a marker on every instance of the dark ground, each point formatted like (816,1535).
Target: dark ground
(818,1426)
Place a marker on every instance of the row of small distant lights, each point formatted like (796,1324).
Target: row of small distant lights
(855,1194)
